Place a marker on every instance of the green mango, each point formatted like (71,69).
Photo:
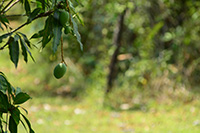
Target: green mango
(59,70)
(67,30)
(63,17)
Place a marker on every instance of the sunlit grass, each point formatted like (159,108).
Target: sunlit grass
(58,114)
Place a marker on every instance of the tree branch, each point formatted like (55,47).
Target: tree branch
(68,8)
(15,15)
(11,6)
(26,23)
(6,6)
(1,48)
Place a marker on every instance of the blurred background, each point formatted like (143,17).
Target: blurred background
(139,70)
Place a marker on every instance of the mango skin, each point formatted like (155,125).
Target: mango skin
(59,70)
(63,17)
(67,30)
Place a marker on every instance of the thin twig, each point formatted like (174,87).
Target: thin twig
(11,6)
(2,3)
(6,6)
(62,53)
(68,8)
(26,23)
(1,48)
(15,15)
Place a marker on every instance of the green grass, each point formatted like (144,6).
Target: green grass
(61,115)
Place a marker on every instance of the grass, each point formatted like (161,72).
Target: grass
(57,114)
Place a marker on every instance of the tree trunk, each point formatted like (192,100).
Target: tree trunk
(117,36)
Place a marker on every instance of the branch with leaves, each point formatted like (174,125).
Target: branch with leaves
(10,101)
(52,30)
(60,18)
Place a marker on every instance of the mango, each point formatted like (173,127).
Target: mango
(63,17)
(67,30)
(59,70)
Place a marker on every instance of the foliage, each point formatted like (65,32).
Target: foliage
(10,103)
(159,53)
(52,27)
(14,40)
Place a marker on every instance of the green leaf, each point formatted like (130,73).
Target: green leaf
(74,11)
(12,125)
(23,125)
(18,90)
(15,113)
(4,20)
(3,84)
(78,1)
(4,104)
(3,37)
(56,14)
(23,45)
(24,109)
(12,91)
(25,39)
(71,5)
(1,26)
(27,7)
(48,33)
(24,52)
(21,98)
(1,127)
(78,36)
(28,123)
(57,32)
(34,14)
(54,3)
(43,3)
(38,35)
(14,51)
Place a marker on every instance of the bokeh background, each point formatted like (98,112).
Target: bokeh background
(152,86)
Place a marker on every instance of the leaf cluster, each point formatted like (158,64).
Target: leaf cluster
(52,30)
(10,101)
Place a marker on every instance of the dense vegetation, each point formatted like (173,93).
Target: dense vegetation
(156,49)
